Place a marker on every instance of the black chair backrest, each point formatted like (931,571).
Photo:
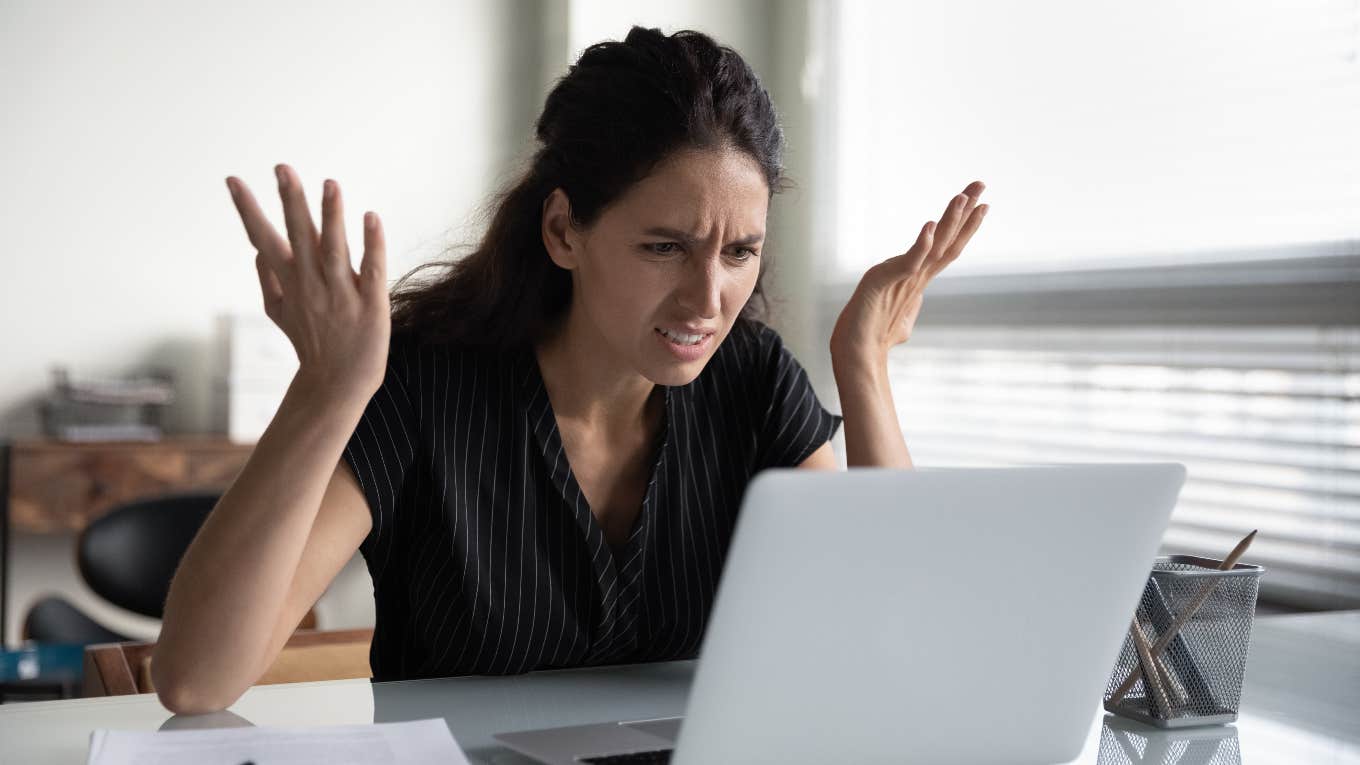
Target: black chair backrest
(129,555)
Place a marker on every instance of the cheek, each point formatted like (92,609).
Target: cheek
(621,292)
(740,288)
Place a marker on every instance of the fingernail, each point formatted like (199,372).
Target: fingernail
(328,190)
(369,221)
(283,177)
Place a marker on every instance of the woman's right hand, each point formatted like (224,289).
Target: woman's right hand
(339,322)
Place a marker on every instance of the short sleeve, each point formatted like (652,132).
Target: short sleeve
(381,451)
(795,423)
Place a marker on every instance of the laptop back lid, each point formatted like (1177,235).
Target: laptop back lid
(940,615)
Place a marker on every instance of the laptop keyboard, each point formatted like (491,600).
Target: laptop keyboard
(658,756)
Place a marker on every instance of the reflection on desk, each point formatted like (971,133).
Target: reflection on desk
(1125,741)
(1301,704)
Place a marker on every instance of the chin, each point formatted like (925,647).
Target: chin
(662,371)
(676,375)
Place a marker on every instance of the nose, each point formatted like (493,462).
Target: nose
(700,292)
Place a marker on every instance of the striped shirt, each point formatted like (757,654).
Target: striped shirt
(484,554)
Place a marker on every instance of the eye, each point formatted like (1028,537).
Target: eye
(663,248)
(746,253)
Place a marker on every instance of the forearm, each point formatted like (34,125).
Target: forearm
(230,588)
(873,436)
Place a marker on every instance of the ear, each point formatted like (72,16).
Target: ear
(560,238)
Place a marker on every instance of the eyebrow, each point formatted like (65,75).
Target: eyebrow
(690,239)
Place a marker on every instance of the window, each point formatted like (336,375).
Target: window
(1108,132)
(1172,269)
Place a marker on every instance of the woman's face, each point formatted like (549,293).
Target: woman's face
(666,269)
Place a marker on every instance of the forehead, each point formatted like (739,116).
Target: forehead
(698,190)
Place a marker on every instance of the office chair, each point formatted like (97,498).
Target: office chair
(127,557)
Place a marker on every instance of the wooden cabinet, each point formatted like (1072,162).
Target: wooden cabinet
(57,486)
(53,487)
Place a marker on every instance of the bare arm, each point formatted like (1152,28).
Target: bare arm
(873,436)
(293,517)
(341,525)
(269,549)
(822,458)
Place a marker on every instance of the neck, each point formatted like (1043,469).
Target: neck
(588,385)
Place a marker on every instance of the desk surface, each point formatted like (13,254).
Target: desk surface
(1301,703)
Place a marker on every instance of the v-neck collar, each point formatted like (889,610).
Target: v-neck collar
(612,576)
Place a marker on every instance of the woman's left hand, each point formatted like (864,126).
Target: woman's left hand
(884,307)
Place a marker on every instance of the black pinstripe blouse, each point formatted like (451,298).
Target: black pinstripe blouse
(486,558)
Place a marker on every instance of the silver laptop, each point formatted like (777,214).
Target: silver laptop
(941,615)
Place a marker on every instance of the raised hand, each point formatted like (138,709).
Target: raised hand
(883,309)
(338,321)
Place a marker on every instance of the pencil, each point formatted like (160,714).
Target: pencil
(1151,672)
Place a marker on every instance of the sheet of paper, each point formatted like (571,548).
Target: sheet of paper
(418,742)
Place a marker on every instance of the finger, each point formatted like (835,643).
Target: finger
(373,265)
(901,266)
(259,231)
(270,288)
(302,233)
(973,191)
(949,225)
(965,233)
(334,244)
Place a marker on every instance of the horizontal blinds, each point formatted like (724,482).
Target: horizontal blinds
(1266,420)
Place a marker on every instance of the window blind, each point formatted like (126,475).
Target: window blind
(1265,418)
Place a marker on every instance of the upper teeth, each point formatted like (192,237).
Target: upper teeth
(682,338)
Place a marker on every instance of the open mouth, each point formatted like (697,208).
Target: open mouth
(684,346)
(680,338)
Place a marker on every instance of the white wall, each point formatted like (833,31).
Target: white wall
(121,122)
(739,24)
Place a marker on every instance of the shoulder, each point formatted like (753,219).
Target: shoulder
(421,374)
(418,359)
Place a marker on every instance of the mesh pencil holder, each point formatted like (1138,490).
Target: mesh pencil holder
(1195,622)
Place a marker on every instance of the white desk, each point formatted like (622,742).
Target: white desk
(1301,704)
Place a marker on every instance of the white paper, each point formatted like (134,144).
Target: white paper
(418,742)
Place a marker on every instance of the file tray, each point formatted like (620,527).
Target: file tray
(1200,669)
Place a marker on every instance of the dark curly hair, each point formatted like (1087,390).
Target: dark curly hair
(616,114)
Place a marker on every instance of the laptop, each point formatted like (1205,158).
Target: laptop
(940,615)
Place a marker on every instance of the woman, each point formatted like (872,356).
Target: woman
(542,453)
